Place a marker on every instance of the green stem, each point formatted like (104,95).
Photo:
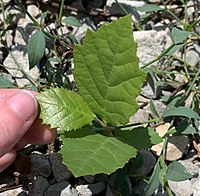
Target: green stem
(61,12)
(185,64)
(124,10)
(192,84)
(195,22)
(140,123)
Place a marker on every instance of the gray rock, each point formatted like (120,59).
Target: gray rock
(39,187)
(149,160)
(150,89)
(21,56)
(89,179)
(60,171)
(192,167)
(193,54)
(151,44)
(40,165)
(183,188)
(160,107)
(139,189)
(140,116)
(91,189)
(61,189)
(196,186)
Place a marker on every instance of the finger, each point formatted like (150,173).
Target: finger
(37,134)
(7,159)
(18,112)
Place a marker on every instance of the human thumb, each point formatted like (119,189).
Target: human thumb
(18,112)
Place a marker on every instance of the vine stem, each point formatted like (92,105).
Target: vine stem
(140,123)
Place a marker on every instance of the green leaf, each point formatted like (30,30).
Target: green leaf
(178,35)
(72,21)
(36,47)
(180,111)
(177,172)
(153,183)
(107,73)
(139,138)
(5,83)
(87,152)
(64,109)
(153,108)
(174,49)
(149,8)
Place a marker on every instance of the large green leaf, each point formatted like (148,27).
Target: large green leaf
(148,136)
(36,47)
(86,152)
(64,109)
(107,72)
(177,172)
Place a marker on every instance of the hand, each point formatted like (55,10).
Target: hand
(19,124)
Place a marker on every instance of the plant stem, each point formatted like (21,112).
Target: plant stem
(124,10)
(140,123)
(61,12)
(191,85)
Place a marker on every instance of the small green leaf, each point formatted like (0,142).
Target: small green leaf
(153,183)
(139,138)
(179,36)
(107,71)
(174,49)
(72,21)
(5,83)
(64,109)
(153,108)
(177,172)
(36,47)
(86,152)
(149,8)
(180,111)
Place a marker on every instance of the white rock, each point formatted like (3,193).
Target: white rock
(151,44)
(183,188)
(40,165)
(61,189)
(60,171)
(39,187)
(91,189)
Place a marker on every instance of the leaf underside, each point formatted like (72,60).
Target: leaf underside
(64,109)
(87,152)
(107,72)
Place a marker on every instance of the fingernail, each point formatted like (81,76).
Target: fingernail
(24,104)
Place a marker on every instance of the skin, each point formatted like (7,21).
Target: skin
(19,124)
